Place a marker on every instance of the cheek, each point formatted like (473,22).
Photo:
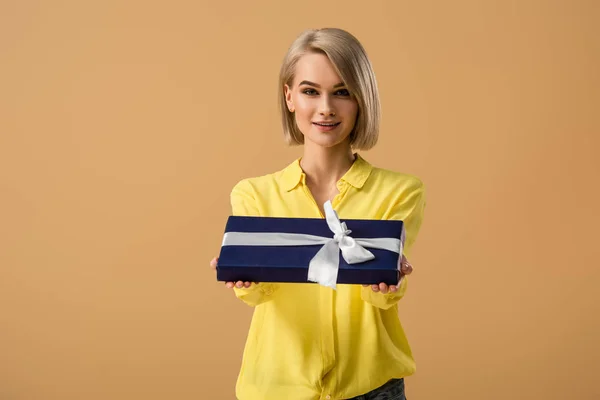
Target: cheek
(304,110)
(349,109)
(302,104)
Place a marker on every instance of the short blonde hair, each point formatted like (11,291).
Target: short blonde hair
(350,61)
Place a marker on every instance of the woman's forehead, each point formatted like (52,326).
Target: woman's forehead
(316,68)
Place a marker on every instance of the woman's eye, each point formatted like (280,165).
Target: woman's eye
(309,92)
(341,92)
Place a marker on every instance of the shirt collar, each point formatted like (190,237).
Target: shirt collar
(356,176)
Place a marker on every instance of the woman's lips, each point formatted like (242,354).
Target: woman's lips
(326,126)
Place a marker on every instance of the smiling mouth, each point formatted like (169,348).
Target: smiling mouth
(328,124)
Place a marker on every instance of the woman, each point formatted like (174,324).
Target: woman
(308,341)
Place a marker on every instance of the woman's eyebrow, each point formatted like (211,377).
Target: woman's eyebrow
(318,86)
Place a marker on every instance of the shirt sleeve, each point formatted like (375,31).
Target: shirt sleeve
(243,203)
(409,208)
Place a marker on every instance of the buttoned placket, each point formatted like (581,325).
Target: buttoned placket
(326,301)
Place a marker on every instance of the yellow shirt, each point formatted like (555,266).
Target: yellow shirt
(307,341)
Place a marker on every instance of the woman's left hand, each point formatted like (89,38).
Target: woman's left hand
(405,269)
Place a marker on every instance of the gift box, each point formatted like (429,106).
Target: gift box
(325,251)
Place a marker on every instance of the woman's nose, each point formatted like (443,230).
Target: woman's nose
(326,107)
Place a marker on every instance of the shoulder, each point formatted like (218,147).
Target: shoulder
(250,196)
(396,181)
(259,184)
(281,180)
(400,194)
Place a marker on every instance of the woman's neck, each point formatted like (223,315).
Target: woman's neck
(325,166)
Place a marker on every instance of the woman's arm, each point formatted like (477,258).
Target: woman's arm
(409,207)
(243,203)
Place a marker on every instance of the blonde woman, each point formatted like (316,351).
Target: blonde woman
(308,341)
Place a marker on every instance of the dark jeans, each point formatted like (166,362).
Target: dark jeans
(393,390)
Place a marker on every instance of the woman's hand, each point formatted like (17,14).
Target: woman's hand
(230,285)
(405,269)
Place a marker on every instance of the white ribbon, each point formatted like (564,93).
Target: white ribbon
(323,267)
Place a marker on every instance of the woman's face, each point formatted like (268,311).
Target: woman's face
(325,111)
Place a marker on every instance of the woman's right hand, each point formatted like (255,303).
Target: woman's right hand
(230,285)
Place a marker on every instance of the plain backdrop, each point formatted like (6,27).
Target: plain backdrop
(125,124)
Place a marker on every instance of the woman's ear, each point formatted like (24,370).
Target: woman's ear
(288,98)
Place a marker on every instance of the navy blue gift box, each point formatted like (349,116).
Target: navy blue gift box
(289,263)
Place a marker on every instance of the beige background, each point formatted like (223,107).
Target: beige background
(124,125)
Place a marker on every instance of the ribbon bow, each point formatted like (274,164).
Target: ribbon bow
(323,268)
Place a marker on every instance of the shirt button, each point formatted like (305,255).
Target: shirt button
(328,397)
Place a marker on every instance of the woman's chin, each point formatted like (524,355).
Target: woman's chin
(326,139)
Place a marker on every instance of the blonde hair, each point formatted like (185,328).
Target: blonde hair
(350,61)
